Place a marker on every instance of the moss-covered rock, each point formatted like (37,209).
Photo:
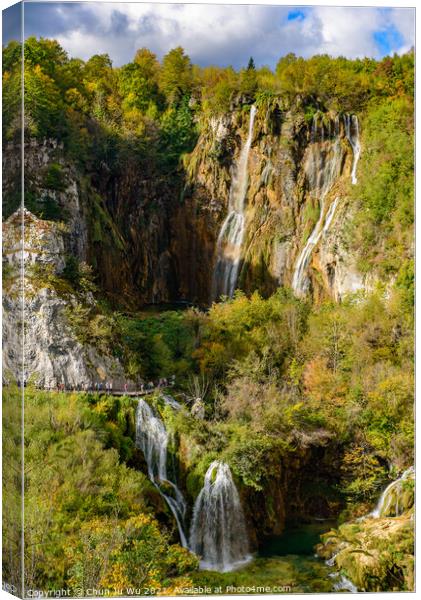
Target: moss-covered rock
(376,554)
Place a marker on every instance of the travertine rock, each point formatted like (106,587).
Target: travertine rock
(50,351)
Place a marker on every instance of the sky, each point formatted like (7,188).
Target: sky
(216,34)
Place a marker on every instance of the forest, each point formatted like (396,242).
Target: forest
(308,399)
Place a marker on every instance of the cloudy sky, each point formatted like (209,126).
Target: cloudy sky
(217,34)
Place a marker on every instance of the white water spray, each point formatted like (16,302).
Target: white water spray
(390,498)
(218,532)
(231,235)
(152,439)
(392,495)
(343,584)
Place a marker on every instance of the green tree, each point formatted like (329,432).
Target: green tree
(176,76)
(248,79)
(138,81)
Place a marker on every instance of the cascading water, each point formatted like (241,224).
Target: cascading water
(389,502)
(152,439)
(218,532)
(343,584)
(391,497)
(231,235)
(300,281)
(353,136)
(322,169)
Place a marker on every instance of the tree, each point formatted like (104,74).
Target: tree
(250,66)
(248,79)
(44,113)
(48,54)
(138,81)
(176,76)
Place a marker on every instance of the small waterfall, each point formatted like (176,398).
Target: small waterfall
(152,439)
(392,496)
(353,136)
(314,129)
(170,401)
(343,584)
(321,169)
(231,235)
(218,532)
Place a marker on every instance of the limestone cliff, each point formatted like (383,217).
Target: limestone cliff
(152,237)
(51,353)
(298,170)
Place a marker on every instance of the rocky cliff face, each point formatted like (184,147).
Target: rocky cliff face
(153,238)
(52,188)
(298,171)
(51,353)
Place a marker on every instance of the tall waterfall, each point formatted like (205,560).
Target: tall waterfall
(322,168)
(353,136)
(152,439)
(231,235)
(392,496)
(218,532)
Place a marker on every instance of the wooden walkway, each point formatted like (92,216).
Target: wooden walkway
(130,393)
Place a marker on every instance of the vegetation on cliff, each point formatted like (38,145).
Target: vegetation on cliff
(278,378)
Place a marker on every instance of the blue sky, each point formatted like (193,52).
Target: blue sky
(218,34)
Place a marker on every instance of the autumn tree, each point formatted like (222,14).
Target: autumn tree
(175,79)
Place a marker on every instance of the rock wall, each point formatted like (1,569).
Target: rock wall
(152,238)
(51,353)
(297,168)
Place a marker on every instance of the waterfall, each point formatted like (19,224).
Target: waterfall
(231,235)
(218,532)
(353,136)
(343,584)
(392,495)
(390,498)
(321,170)
(170,401)
(152,439)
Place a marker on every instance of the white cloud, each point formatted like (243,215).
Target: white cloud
(229,34)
